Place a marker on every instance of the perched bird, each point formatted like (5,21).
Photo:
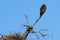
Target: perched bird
(42,9)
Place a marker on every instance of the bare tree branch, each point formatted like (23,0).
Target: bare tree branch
(27,23)
(36,22)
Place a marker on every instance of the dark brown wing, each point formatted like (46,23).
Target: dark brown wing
(42,9)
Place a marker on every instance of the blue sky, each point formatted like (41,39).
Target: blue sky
(12,16)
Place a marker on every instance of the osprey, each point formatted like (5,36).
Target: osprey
(42,9)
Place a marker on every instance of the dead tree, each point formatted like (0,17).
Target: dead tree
(28,27)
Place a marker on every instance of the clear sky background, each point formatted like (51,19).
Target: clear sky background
(12,16)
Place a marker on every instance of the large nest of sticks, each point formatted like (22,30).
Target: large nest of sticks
(15,36)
